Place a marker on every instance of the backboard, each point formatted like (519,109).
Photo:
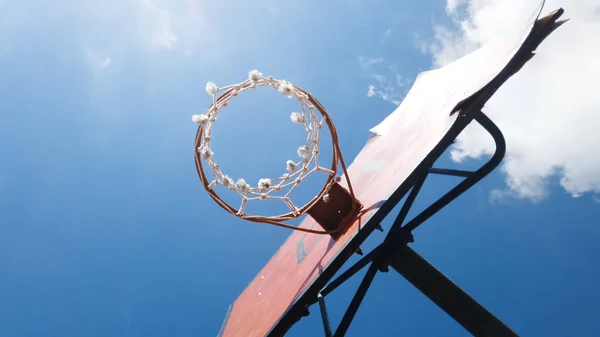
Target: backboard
(441,103)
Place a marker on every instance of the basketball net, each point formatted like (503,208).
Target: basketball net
(312,116)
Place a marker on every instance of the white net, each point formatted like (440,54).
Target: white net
(272,188)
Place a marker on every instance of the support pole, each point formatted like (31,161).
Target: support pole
(448,296)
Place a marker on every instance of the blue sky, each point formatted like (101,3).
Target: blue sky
(105,229)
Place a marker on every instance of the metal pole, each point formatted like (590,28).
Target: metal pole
(448,296)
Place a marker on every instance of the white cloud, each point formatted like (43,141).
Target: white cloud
(385,37)
(371,91)
(160,27)
(367,62)
(388,90)
(391,90)
(130,30)
(500,195)
(452,5)
(105,63)
(549,111)
(96,61)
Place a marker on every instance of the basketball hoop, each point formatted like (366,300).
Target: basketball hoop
(296,170)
